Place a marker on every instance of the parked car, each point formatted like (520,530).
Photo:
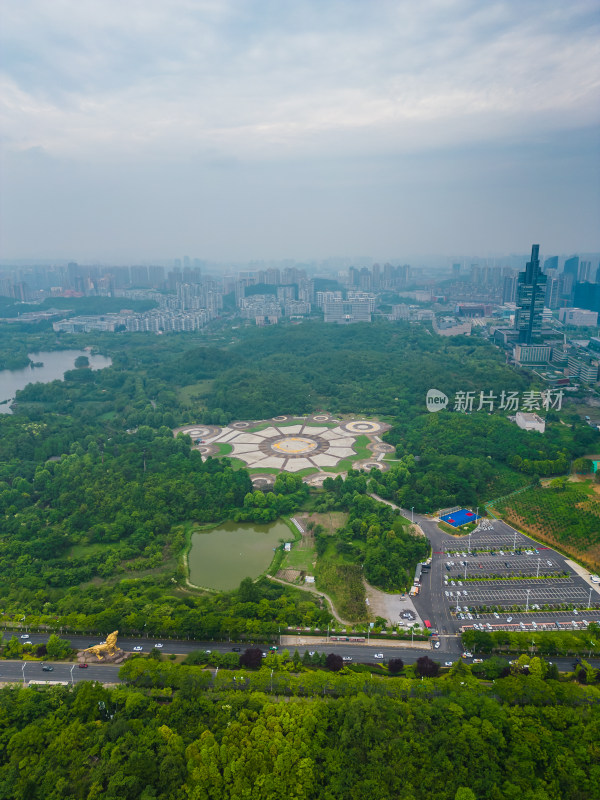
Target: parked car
(312,653)
(236,649)
(466,654)
(496,615)
(435,644)
(509,619)
(478,660)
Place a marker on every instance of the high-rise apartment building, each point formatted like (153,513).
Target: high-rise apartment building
(551,263)
(531,293)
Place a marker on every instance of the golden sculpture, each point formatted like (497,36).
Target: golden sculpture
(108,649)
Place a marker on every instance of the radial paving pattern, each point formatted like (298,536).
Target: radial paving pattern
(303,444)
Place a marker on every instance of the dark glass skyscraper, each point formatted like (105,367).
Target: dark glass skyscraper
(531,292)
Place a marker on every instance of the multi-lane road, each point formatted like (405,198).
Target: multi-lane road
(437,602)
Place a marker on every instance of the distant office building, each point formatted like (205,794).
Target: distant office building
(587,295)
(551,263)
(509,289)
(532,353)
(455,271)
(531,293)
(343,312)
(572,267)
(530,422)
(584,367)
(552,299)
(580,317)
(585,272)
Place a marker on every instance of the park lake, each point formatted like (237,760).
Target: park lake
(54,365)
(222,557)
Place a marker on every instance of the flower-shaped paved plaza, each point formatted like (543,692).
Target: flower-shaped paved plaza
(287,443)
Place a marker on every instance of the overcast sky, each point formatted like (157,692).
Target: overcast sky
(253,129)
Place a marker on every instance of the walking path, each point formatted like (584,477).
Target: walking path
(313,590)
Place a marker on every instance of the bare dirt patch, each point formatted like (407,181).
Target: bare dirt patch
(331,520)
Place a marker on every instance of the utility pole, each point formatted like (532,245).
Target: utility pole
(527,606)
(590,598)
(466,563)
(515,543)
(412,514)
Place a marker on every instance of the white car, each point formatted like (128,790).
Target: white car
(158,646)
(448,663)
(378,655)
(585,622)
(509,619)
(549,563)
(501,552)
(311,652)
(446,593)
(24,636)
(138,648)
(595,578)
(460,583)
(436,645)
(208,652)
(466,654)
(575,612)
(346,658)
(496,615)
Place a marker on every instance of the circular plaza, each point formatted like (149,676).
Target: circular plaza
(291,444)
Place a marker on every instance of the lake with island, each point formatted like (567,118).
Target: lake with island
(222,557)
(54,365)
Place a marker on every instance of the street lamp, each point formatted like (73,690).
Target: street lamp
(537,575)
(515,543)
(590,598)
(466,563)
(527,606)
(412,514)
(23,670)
(72,668)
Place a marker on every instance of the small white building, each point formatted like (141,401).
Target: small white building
(530,422)
(287,547)
(309,579)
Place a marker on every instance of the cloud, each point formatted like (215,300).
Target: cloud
(113,80)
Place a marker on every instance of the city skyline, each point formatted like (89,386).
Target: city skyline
(238,131)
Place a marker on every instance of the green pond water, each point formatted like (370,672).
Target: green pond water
(223,557)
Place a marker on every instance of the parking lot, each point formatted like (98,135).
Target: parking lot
(508,574)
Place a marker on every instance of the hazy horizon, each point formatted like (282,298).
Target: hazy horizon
(238,131)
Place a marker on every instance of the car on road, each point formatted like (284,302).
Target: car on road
(24,636)
(436,645)
(236,649)
(448,663)
(158,646)
(466,654)
(83,666)
(378,655)
(478,660)
(312,652)
(208,652)
(47,668)
(138,648)
(346,658)
(509,619)
(264,655)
